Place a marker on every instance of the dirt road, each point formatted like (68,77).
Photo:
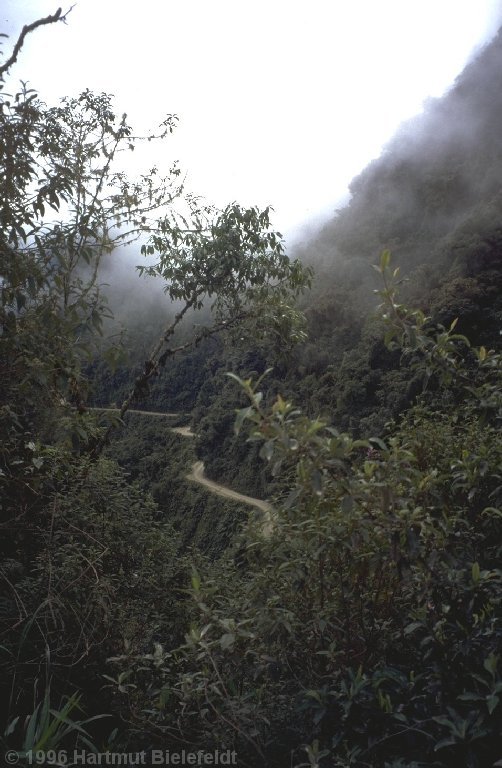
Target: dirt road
(197,474)
(183,431)
(133,410)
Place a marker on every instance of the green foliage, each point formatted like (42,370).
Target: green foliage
(84,580)
(157,461)
(229,255)
(48,730)
(433,198)
(231,258)
(63,209)
(366,625)
(359,625)
(91,566)
(59,162)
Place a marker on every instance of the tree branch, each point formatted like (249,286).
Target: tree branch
(58,16)
(157,361)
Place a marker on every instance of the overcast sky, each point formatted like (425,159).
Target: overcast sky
(280,102)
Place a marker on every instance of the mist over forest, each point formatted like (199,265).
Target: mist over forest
(435,186)
(329,594)
(433,198)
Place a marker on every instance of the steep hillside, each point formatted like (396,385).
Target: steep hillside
(359,622)
(437,181)
(434,198)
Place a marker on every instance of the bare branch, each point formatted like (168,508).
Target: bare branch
(58,16)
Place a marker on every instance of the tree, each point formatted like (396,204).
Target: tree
(60,211)
(63,160)
(229,258)
(65,204)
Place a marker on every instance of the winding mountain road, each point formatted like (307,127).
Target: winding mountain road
(198,476)
(197,473)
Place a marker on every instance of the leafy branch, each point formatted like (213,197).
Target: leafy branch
(235,261)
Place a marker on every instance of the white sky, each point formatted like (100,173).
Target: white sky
(280,102)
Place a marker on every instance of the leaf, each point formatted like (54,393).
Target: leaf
(470,697)
(317,482)
(242,415)
(227,640)
(384,260)
(408,630)
(475,572)
(491,663)
(164,696)
(448,742)
(196,581)
(10,728)
(380,443)
(267,450)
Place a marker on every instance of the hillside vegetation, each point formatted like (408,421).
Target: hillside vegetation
(434,200)
(362,628)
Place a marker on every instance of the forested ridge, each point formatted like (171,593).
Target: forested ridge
(433,198)
(138,611)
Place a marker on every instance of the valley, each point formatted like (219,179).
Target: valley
(312,575)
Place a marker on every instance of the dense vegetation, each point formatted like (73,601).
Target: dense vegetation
(433,198)
(361,626)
